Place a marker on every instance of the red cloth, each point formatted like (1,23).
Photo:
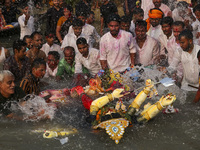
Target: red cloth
(87,101)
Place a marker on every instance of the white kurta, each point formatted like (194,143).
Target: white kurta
(27,29)
(50,73)
(55,47)
(92,62)
(155,32)
(117,50)
(190,67)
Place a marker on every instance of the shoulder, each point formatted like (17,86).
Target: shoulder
(19,92)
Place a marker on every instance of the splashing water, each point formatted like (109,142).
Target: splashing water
(34,109)
(31,6)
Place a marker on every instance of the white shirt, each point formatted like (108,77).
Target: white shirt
(55,47)
(149,51)
(190,67)
(89,31)
(3,55)
(155,32)
(70,40)
(50,73)
(27,29)
(132,27)
(117,50)
(146,7)
(92,62)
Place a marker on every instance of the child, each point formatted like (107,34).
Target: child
(50,45)
(26,22)
(30,83)
(138,14)
(52,64)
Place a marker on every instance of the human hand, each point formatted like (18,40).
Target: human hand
(167,100)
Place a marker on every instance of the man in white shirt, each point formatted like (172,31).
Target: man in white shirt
(187,55)
(146,47)
(26,22)
(71,38)
(87,29)
(88,57)
(52,64)
(116,47)
(50,45)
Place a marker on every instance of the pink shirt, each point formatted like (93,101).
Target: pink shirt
(117,50)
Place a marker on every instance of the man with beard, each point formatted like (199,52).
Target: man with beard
(147,48)
(18,64)
(116,47)
(35,51)
(187,56)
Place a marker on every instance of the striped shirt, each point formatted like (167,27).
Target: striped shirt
(30,84)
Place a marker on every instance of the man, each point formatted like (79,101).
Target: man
(52,64)
(83,6)
(178,27)
(53,14)
(187,55)
(147,48)
(129,6)
(18,64)
(8,92)
(153,23)
(26,22)
(125,23)
(35,51)
(27,39)
(70,39)
(88,57)
(116,47)
(106,9)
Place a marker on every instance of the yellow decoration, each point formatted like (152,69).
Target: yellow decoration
(114,128)
(52,134)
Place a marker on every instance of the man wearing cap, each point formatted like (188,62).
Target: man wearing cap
(116,47)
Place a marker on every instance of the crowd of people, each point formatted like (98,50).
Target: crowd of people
(149,33)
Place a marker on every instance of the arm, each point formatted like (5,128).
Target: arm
(58,29)
(197,97)
(102,24)
(126,7)
(132,50)
(155,53)
(25,85)
(78,65)
(132,55)
(104,64)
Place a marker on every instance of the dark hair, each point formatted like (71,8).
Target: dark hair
(37,62)
(125,19)
(113,17)
(77,22)
(69,48)
(182,4)
(138,11)
(55,54)
(70,8)
(187,33)
(18,44)
(198,54)
(179,23)
(24,5)
(35,33)
(141,23)
(82,13)
(26,37)
(81,40)
(196,8)
(91,12)
(167,20)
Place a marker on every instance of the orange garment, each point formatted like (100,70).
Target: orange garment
(153,13)
(61,21)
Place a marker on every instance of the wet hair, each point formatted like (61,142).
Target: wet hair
(26,37)
(167,20)
(82,13)
(187,33)
(81,40)
(179,23)
(37,62)
(138,11)
(77,23)
(68,8)
(125,19)
(113,17)
(4,73)
(55,54)
(35,33)
(18,44)
(141,23)
(196,8)
(69,48)
(198,54)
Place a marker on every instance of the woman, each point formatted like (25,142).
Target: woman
(64,23)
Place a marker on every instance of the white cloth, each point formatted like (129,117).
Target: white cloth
(92,62)
(70,40)
(155,32)
(149,51)
(27,29)
(55,47)
(196,29)
(50,73)
(3,55)
(117,50)
(132,27)
(190,67)
(146,7)
(89,31)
